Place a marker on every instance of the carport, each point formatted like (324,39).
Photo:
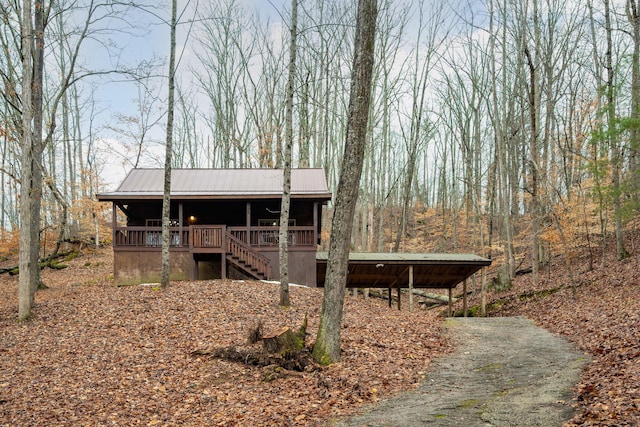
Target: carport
(407,270)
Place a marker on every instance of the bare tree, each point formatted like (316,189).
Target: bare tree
(419,128)
(633,15)
(327,347)
(613,137)
(286,184)
(28,193)
(166,199)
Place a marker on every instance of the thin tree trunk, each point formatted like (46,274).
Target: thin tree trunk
(166,199)
(27,277)
(616,157)
(286,185)
(633,15)
(38,141)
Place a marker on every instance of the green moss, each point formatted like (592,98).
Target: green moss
(475,311)
(323,360)
(469,403)
(489,367)
(57,265)
(72,255)
(440,416)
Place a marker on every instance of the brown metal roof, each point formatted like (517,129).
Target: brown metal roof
(220,184)
(391,270)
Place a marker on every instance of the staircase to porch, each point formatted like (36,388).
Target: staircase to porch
(247,259)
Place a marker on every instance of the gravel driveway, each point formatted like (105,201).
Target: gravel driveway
(505,372)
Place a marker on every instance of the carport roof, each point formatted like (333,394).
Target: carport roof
(391,270)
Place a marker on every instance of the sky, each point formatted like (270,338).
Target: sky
(146,41)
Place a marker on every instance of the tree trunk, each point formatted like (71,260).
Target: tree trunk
(633,15)
(166,199)
(616,156)
(327,347)
(26,283)
(286,184)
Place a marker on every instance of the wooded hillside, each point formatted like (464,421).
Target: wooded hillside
(95,353)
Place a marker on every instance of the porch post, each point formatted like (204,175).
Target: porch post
(315,223)
(248,221)
(464,296)
(180,221)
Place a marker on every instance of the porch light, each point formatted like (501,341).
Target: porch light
(192,219)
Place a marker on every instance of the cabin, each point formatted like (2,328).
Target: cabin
(224,224)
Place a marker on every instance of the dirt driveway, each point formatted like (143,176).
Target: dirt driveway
(505,372)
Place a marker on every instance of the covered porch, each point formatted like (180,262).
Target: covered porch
(221,222)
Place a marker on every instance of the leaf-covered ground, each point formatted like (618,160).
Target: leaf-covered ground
(97,355)
(94,354)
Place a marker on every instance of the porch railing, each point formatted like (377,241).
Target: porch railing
(211,237)
(207,236)
(149,237)
(248,257)
(299,236)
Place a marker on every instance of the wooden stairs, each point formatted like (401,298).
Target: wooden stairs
(247,259)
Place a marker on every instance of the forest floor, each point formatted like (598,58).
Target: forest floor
(96,354)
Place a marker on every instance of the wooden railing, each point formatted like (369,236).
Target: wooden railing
(212,237)
(299,236)
(149,237)
(248,256)
(207,236)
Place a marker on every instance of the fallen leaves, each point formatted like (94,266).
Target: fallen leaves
(94,354)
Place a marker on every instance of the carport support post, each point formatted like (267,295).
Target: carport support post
(411,289)
(389,293)
(464,296)
(449,311)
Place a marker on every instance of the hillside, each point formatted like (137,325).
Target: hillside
(94,354)
(100,355)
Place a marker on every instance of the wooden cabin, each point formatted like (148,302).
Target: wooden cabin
(224,223)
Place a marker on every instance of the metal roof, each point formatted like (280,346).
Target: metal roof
(220,184)
(391,270)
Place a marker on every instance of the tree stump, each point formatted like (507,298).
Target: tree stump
(284,340)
